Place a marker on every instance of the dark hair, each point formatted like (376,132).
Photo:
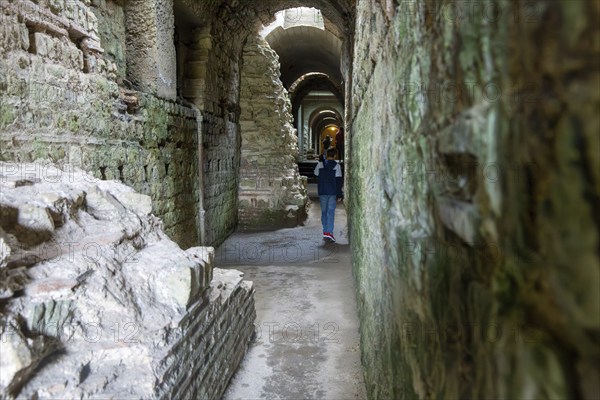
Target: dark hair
(331,152)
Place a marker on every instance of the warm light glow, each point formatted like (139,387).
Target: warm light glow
(331,131)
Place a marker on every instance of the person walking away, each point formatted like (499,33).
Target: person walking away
(339,143)
(330,190)
(326,143)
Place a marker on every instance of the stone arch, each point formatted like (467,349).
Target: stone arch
(206,66)
(322,112)
(313,81)
(251,190)
(337,15)
(303,50)
(318,120)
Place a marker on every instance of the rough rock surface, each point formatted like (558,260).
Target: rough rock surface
(473,194)
(94,296)
(272,193)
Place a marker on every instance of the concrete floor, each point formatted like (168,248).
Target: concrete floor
(307,344)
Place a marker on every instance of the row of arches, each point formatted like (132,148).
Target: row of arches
(198,61)
(311,71)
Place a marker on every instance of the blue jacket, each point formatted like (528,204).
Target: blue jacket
(331,182)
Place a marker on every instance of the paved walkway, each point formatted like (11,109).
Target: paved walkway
(307,344)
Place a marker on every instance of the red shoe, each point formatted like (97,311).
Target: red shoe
(330,236)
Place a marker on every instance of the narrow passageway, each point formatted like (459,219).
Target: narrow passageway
(152,151)
(307,339)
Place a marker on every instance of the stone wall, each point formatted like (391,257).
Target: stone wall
(271,193)
(112,33)
(97,302)
(60,101)
(214,341)
(150,46)
(212,79)
(473,196)
(112,76)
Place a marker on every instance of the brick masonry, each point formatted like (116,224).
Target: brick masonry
(214,340)
(214,337)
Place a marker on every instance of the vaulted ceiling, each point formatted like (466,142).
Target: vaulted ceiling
(251,14)
(306,49)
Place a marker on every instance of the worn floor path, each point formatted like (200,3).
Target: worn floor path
(307,344)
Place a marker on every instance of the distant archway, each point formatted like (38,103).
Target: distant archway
(319,120)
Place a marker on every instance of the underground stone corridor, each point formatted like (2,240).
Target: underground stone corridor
(160,231)
(307,343)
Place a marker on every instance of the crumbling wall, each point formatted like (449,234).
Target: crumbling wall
(473,197)
(96,301)
(60,101)
(271,194)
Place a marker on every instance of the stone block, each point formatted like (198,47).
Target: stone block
(49,317)
(103,205)
(248,184)
(135,309)
(181,284)
(35,221)
(4,249)
(461,218)
(139,203)
(16,356)
(42,44)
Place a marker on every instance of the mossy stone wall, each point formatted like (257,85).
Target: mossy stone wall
(474,198)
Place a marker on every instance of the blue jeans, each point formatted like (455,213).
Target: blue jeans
(328,203)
